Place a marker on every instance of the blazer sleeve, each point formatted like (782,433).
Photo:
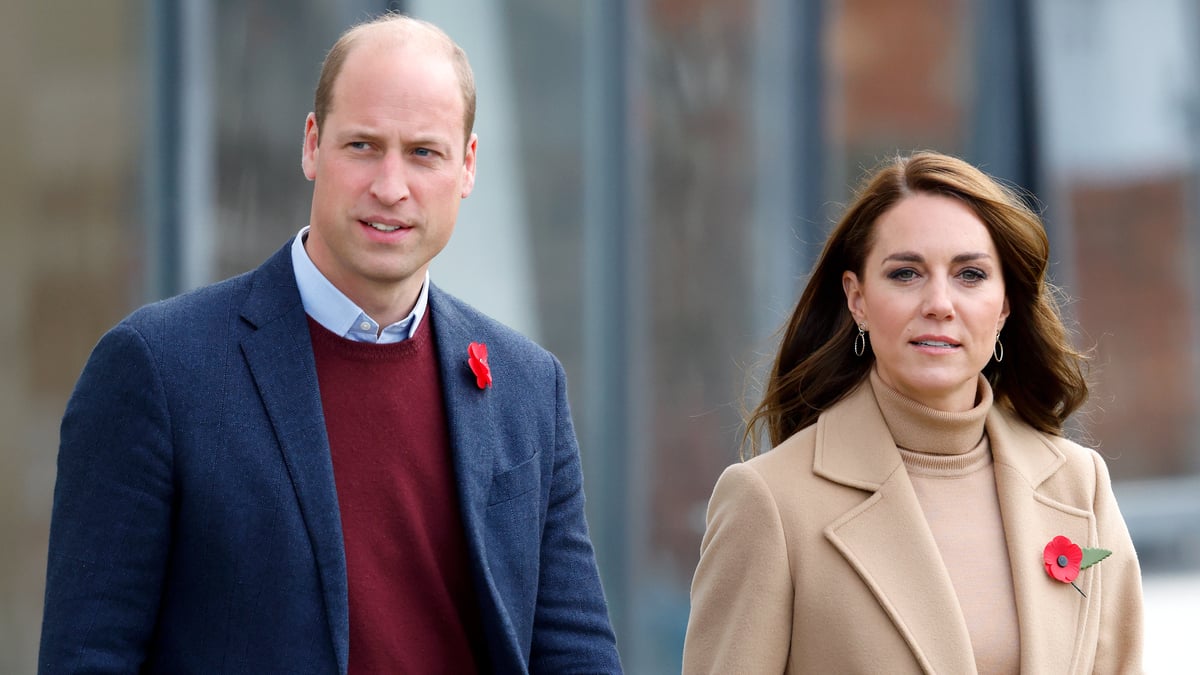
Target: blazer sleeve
(571,631)
(109,530)
(1119,649)
(742,593)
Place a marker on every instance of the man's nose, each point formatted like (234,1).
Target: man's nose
(391,182)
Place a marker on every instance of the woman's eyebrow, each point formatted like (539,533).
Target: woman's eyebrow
(910,256)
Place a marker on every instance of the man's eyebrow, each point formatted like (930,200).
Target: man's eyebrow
(428,139)
(358,132)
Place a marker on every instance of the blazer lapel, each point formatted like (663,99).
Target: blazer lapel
(471,418)
(280,357)
(468,409)
(886,539)
(1049,612)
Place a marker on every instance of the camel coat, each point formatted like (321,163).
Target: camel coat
(817,559)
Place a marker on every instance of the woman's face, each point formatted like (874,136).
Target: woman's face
(932,298)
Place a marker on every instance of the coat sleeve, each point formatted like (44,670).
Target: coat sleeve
(1120,641)
(109,530)
(571,631)
(742,593)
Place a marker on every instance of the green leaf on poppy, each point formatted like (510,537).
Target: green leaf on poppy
(1091,556)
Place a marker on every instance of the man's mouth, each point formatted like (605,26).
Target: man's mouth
(383,228)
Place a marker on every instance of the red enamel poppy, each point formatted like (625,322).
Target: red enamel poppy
(477,359)
(1062,558)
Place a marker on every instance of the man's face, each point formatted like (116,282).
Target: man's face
(390,166)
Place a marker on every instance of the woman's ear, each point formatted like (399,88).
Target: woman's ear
(854,296)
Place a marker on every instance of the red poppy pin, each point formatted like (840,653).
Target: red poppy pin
(1064,559)
(477,359)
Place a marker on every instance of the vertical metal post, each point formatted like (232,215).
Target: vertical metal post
(179,149)
(160,182)
(197,144)
(1004,136)
(605,425)
(789,150)
(809,142)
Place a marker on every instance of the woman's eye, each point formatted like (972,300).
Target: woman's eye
(905,274)
(973,275)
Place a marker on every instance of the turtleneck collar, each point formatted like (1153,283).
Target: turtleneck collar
(920,428)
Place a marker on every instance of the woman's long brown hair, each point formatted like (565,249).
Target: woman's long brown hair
(1041,378)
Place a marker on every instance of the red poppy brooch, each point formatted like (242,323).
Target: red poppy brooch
(477,359)
(1065,560)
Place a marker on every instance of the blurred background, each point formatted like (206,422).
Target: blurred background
(655,178)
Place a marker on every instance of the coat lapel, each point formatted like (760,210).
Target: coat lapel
(468,409)
(886,538)
(1049,612)
(471,417)
(280,357)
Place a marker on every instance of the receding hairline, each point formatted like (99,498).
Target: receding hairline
(400,29)
(397,30)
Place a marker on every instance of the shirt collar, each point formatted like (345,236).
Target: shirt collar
(337,313)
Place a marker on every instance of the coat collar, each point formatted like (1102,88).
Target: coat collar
(1049,612)
(278,351)
(469,410)
(887,539)
(471,415)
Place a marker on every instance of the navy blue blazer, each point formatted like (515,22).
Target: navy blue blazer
(196,525)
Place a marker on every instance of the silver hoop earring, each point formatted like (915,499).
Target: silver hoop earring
(998,349)
(860,340)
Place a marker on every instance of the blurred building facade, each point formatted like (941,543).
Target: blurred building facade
(655,178)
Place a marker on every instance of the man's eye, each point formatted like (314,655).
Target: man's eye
(423,152)
(359,145)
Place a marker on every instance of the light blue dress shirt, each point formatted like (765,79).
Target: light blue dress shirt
(337,313)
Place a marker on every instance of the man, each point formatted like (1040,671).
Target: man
(310,468)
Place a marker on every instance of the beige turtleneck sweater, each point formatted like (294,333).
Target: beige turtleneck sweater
(949,463)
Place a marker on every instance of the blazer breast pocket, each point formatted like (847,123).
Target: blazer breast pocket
(516,481)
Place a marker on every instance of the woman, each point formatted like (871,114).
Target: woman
(903,521)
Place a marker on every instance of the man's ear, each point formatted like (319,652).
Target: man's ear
(469,166)
(308,160)
(854,296)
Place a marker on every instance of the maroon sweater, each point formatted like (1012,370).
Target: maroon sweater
(413,608)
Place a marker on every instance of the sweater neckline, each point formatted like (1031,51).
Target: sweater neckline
(369,351)
(921,429)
